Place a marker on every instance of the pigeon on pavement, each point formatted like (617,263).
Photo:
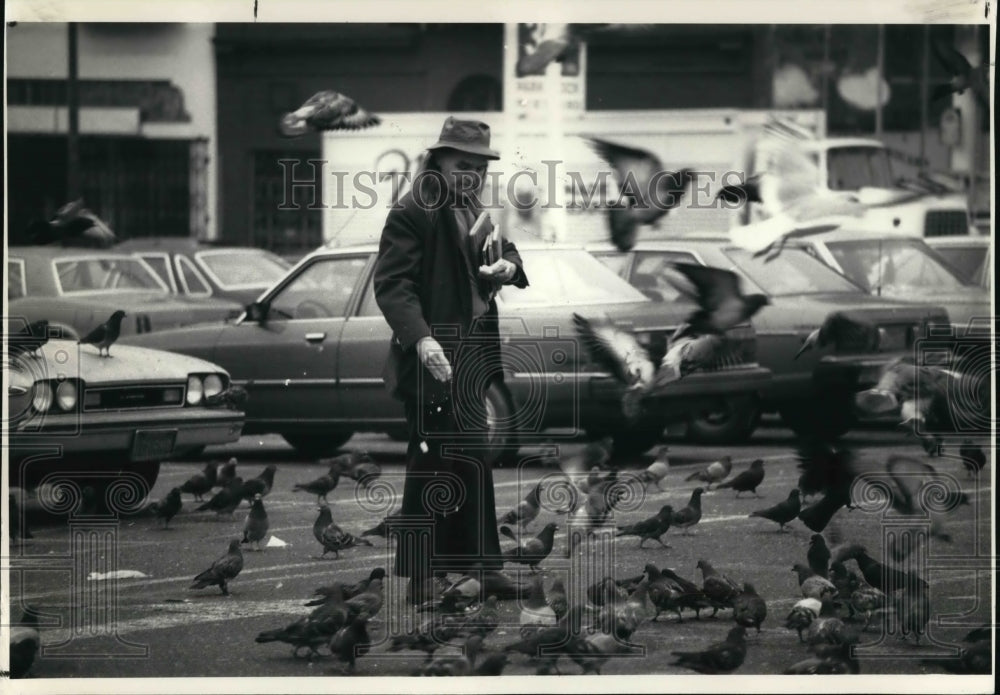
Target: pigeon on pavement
(25,643)
(813,585)
(105,335)
(226,472)
(687,517)
(688,594)
(526,510)
(802,615)
(202,483)
(533,551)
(652,528)
(321,486)
(656,471)
(302,634)
(256,525)
(351,641)
(749,609)
(746,481)
(718,658)
(976,658)
(223,570)
(973,458)
(347,591)
(784,512)
(714,472)
(226,500)
(720,589)
(168,507)
(828,659)
(261,485)
(331,536)
(818,556)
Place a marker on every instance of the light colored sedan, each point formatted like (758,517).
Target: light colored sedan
(901,267)
(83,416)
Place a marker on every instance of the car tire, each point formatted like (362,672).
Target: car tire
(827,419)
(732,422)
(635,440)
(503,442)
(317,446)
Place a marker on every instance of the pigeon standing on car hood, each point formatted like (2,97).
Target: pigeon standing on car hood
(105,335)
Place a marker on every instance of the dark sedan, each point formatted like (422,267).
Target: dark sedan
(814,390)
(311,353)
(194,269)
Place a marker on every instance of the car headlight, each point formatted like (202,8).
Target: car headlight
(195,390)
(66,395)
(213,385)
(41,399)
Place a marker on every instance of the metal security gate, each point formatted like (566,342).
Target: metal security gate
(282,220)
(140,187)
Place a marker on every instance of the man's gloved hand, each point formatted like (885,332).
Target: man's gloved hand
(500,272)
(432,356)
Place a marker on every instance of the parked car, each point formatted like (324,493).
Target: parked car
(78,288)
(311,352)
(87,417)
(194,269)
(968,256)
(811,392)
(900,267)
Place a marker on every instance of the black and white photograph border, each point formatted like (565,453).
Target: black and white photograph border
(655,490)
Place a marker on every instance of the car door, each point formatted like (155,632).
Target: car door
(289,361)
(364,347)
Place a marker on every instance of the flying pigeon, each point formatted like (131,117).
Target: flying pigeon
(72,225)
(962,75)
(326,110)
(649,192)
(840,329)
(721,304)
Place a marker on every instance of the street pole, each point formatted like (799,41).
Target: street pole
(880,69)
(73,128)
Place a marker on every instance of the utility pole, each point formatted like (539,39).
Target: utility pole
(73,129)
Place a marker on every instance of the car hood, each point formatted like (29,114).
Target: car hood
(127,364)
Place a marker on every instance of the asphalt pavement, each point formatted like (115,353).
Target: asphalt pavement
(150,624)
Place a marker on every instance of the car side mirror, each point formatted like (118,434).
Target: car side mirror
(257,311)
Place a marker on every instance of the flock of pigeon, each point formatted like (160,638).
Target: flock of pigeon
(842,585)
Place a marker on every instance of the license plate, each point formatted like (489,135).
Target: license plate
(151,445)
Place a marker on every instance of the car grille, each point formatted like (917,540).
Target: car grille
(169,395)
(945,223)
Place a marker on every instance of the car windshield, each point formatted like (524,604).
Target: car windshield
(852,168)
(970,262)
(105,274)
(567,277)
(893,266)
(792,272)
(236,268)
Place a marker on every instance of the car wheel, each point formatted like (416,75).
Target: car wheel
(731,421)
(502,440)
(317,446)
(826,419)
